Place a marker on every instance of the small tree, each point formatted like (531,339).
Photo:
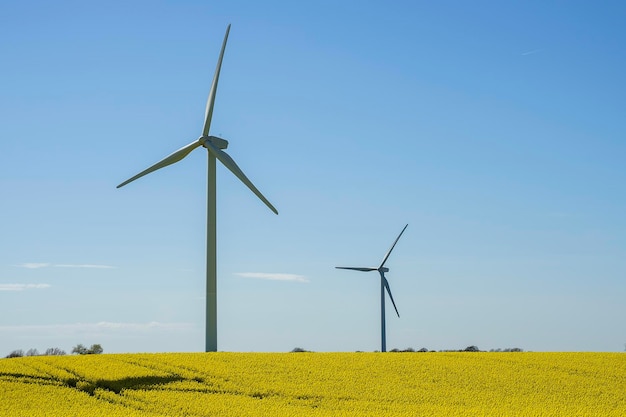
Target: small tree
(471,349)
(32,352)
(54,352)
(79,349)
(95,349)
(513,350)
(16,354)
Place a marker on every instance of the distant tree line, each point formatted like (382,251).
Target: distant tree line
(410,349)
(78,349)
(34,352)
(471,348)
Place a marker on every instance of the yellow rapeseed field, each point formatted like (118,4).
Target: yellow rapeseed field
(315,384)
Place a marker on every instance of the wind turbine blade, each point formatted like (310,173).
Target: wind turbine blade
(229,163)
(392,246)
(354,268)
(208,113)
(168,160)
(390,296)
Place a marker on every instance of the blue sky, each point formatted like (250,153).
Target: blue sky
(496,131)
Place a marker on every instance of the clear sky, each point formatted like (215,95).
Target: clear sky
(496,130)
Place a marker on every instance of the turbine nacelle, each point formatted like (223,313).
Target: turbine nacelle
(383,269)
(214,140)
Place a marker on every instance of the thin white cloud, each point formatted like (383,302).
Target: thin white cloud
(142,326)
(84,266)
(33,265)
(100,327)
(273,276)
(37,265)
(22,287)
(534,51)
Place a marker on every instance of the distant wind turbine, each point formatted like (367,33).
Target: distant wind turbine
(214,146)
(384,285)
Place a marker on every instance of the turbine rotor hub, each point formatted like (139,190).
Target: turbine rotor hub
(215,141)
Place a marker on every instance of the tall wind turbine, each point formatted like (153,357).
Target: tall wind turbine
(214,146)
(384,285)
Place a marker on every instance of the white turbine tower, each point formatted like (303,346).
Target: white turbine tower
(384,285)
(214,146)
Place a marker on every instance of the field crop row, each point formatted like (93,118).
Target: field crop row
(295,384)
